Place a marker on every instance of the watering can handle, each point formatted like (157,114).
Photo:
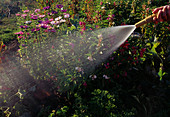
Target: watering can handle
(145,21)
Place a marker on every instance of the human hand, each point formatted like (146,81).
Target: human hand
(163,14)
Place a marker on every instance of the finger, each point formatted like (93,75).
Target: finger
(156,10)
(164,13)
(155,20)
(159,15)
(168,13)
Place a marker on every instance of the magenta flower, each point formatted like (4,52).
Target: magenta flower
(46,8)
(64,10)
(35,29)
(34,17)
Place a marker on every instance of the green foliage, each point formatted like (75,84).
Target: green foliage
(134,80)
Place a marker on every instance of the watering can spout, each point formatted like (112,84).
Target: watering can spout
(145,21)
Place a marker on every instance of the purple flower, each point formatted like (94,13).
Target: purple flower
(52,30)
(39,21)
(59,6)
(46,8)
(43,26)
(33,30)
(37,29)
(64,10)
(23,45)
(46,19)
(23,26)
(47,22)
(54,12)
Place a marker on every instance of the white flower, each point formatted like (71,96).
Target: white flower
(58,18)
(90,58)
(79,69)
(28,22)
(93,77)
(106,77)
(100,36)
(103,7)
(0,87)
(66,15)
(62,20)
(53,22)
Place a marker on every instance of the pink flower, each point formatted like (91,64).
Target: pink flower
(37,10)
(23,15)
(72,45)
(41,16)
(19,37)
(114,3)
(97,26)
(81,32)
(26,11)
(17,14)
(85,84)
(84,28)
(28,33)
(31,14)
(50,20)
(143,49)
(101,3)
(19,33)
(52,47)
(125,74)
(80,23)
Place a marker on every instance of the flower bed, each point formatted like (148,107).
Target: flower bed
(55,47)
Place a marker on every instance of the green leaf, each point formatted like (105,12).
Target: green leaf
(155,45)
